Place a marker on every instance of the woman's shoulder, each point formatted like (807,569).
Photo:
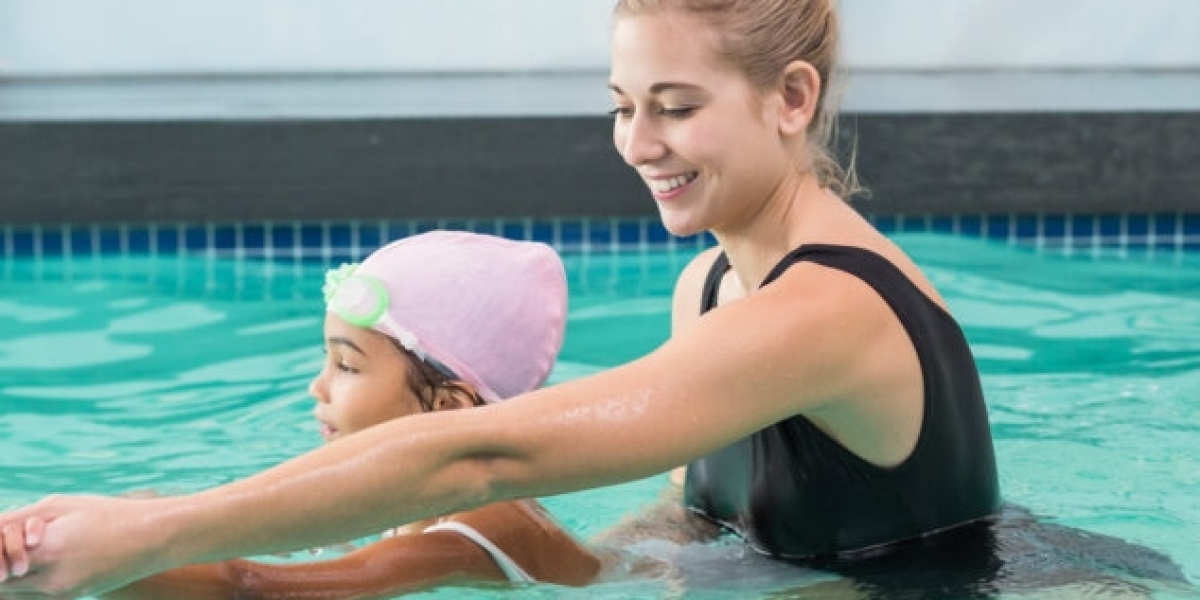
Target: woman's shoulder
(887,251)
(691,278)
(689,287)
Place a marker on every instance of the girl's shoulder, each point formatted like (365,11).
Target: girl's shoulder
(524,532)
(503,515)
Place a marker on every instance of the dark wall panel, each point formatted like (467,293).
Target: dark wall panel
(227,170)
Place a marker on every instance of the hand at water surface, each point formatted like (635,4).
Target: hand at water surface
(66,546)
(16,538)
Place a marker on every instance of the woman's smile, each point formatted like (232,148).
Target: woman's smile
(666,188)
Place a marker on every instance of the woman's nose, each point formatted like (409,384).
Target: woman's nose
(638,141)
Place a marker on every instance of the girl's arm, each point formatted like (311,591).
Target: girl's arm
(194,582)
(384,569)
(393,566)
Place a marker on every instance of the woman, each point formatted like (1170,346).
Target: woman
(827,402)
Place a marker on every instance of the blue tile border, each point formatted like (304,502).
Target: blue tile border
(1105,234)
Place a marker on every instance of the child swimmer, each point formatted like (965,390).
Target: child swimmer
(434,322)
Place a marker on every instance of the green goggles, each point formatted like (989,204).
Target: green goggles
(362,301)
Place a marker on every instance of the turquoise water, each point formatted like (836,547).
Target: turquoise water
(174,374)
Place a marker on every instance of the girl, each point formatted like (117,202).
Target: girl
(435,322)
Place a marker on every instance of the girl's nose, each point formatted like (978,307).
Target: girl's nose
(317,388)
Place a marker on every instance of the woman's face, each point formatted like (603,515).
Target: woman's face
(363,382)
(704,140)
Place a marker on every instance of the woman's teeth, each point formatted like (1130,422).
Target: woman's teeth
(663,186)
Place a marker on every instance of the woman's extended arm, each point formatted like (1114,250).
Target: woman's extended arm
(688,398)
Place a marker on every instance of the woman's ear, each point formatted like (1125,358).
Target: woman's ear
(454,395)
(800,89)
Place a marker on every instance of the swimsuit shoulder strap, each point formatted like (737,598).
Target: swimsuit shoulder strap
(712,283)
(511,569)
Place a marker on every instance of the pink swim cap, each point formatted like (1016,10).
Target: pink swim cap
(491,309)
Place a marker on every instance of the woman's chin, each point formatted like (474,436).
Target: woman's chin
(679,225)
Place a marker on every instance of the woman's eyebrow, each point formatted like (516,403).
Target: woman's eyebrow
(661,87)
(667,86)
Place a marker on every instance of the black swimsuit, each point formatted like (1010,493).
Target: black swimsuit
(792,491)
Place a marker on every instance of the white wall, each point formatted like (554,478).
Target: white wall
(1022,34)
(220,36)
(70,37)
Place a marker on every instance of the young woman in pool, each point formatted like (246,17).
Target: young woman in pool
(433,323)
(824,400)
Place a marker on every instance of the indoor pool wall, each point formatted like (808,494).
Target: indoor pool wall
(397,147)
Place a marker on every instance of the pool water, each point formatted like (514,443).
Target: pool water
(177,373)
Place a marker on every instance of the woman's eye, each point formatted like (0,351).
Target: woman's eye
(678,113)
(345,368)
(621,111)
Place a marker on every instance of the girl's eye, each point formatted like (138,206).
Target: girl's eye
(332,358)
(621,111)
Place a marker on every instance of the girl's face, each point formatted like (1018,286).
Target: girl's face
(704,140)
(363,382)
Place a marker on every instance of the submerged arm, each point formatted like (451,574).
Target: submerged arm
(381,570)
(405,563)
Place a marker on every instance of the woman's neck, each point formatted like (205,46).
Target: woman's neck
(799,212)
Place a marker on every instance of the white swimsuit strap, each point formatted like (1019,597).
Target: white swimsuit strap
(511,569)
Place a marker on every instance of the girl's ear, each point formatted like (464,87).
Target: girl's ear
(800,89)
(454,395)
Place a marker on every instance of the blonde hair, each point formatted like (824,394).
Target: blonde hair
(760,38)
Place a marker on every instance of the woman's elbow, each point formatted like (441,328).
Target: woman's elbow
(492,478)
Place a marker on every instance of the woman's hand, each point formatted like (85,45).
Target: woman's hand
(71,546)
(16,538)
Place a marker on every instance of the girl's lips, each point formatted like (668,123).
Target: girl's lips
(327,431)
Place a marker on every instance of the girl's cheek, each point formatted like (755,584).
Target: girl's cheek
(336,386)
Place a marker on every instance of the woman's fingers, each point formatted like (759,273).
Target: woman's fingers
(35,528)
(16,559)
